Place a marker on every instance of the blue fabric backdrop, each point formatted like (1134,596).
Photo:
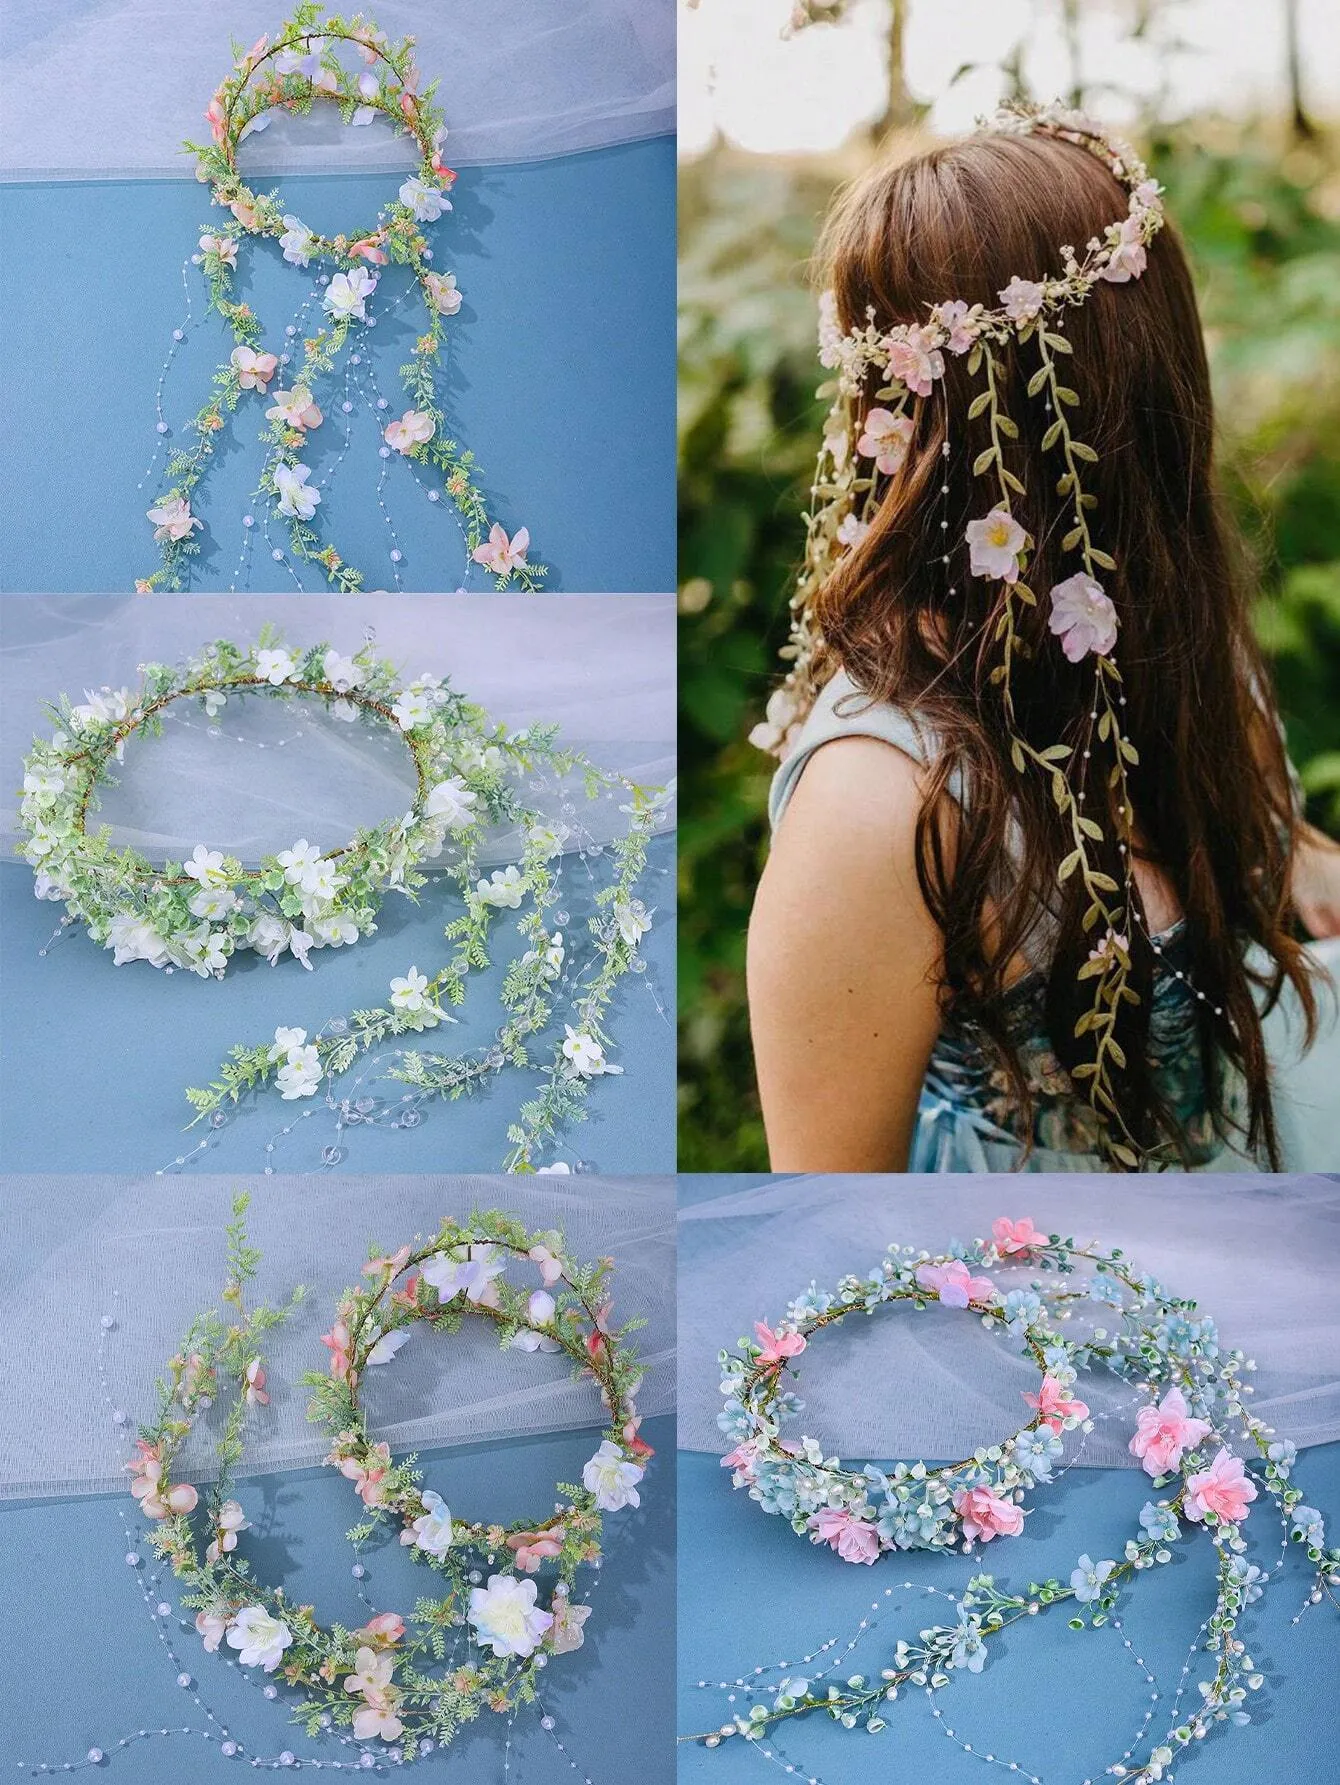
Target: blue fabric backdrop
(94,1059)
(96,1664)
(561,376)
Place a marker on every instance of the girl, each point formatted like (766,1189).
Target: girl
(1037,862)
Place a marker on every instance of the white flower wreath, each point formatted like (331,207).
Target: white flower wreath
(198,913)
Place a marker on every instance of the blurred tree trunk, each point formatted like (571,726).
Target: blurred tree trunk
(900,109)
(1303,127)
(1070,32)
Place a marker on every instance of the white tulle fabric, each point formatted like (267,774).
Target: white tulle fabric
(1257,1253)
(150,1254)
(266,771)
(104,89)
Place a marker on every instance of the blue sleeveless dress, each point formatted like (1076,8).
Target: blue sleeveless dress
(966,1117)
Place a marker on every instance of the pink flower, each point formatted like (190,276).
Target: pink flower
(338,1342)
(1223,1489)
(147,1485)
(254,370)
(502,555)
(885,439)
(551,1266)
(386,1627)
(915,361)
(852,531)
(173,519)
(1162,1433)
(377,1718)
(1015,1238)
(230,1521)
(854,1539)
(415,428)
(368,1477)
(777,1346)
(212,1626)
(985,1516)
(742,1458)
(960,321)
(994,544)
(392,1265)
(255,53)
(215,114)
(1055,1406)
(368,249)
(1128,257)
(1109,944)
(255,1390)
(954,1283)
(1022,299)
(1082,617)
(534,1547)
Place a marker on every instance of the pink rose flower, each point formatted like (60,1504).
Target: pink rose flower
(777,1346)
(985,1516)
(954,1283)
(1224,1489)
(1082,617)
(1015,1238)
(855,1540)
(1055,1406)
(1162,1433)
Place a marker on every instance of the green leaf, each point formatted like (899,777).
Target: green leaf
(1108,563)
(1037,381)
(1068,866)
(1008,478)
(1065,395)
(983,459)
(1072,539)
(1059,342)
(1052,435)
(977,405)
(1007,427)
(1082,450)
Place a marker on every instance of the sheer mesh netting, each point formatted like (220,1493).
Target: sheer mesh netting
(1252,1251)
(517,83)
(149,1254)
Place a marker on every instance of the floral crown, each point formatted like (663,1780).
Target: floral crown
(865,443)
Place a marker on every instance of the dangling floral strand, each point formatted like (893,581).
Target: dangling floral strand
(908,360)
(292,71)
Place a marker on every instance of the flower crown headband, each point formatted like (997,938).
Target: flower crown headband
(866,443)
(297,68)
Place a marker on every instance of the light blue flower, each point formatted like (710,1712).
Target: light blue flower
(1284,1452)
(1159,1522)
(1056,1357)
(1105,1289)
(1037,1451)
(735,1422)
(1310,1526)
(1021,1306)
(1088,1577)
(969,1648)
(1247,1574)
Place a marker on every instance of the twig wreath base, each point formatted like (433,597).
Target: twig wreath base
(197,914)
(293,70)
(1196,1405)
(399,1679)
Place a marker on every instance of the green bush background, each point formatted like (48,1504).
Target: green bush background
(1257,205)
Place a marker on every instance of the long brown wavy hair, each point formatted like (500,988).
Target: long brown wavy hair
(1212,797)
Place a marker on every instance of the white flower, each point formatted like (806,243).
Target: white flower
(504,887)
(204,952)
(559,1170)
(451,801)
(260,1638)
(415,428)
(300,1075)
(224,246)
(298,862)
(102,708)
(552,956)
(540,1310)
(1022,299)
(994,544)
(407,992)
(270,935)
(412,710)
(1082,617)
(369,86)
(206,866)
(852,530)
(288,1042)
(334,931)
(274,666)
(294,408)
(426,202)
(42,785)
(586,1054)
(633,921)
(348,293)
(172,518)
(215,701)
(230,1521)
(546,840)
(443,293)
(612,1478)
(387,1346)
(295,498)
(343,709)
(432,1532)
(297,242)
(213,902)
(472,1276)
(341,672)
(135,939)
(505,1617)
(321,880)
